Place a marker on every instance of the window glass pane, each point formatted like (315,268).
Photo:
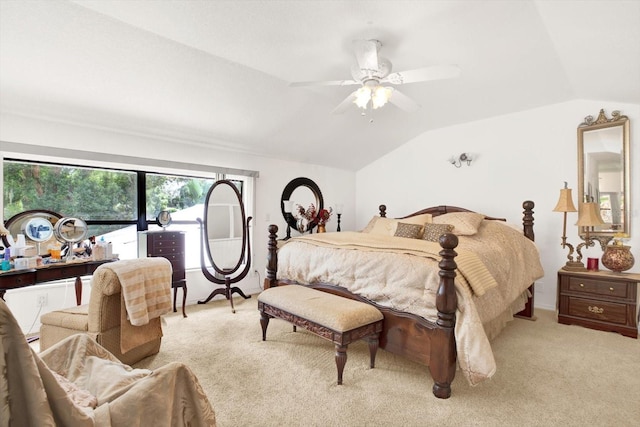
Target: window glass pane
(90,194)
(175,193)
(123,239)
(192,238)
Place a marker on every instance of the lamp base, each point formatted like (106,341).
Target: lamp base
(574,266)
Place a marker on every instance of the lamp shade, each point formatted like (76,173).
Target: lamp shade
(565,202)
(589,215)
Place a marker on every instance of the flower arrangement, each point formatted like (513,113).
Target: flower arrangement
(323,216)
(311,214)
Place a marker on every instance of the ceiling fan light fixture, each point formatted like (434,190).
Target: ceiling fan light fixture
(363,95)
(380,96)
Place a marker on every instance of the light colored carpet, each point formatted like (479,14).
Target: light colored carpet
(548,375)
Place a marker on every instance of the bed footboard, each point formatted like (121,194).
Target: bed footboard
(405,334)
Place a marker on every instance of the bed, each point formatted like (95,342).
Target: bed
(446,279)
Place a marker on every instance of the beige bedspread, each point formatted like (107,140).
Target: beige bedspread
(496,266)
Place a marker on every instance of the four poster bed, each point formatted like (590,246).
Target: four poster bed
(445,278)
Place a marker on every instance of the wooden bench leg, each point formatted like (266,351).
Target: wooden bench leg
(341,360)
(373,349)
(264,322)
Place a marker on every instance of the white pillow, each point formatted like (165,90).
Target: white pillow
(464,223)
(380,225)
(418,219)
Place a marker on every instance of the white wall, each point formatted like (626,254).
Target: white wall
(337,186)
(520,156)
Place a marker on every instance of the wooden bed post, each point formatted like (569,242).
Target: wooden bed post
(527,228)
(383,210)
(443,351)
(272,258)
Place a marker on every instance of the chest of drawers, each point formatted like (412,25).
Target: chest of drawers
(601,300)
(170,245)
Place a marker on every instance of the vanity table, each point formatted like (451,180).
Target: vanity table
(14,279)
(601,300)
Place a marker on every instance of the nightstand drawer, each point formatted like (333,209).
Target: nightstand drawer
(598,310)
(598,287)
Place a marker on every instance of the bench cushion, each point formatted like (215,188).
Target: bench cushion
(334,312)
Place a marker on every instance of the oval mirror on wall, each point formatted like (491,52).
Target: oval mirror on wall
(225,239)
(300,191)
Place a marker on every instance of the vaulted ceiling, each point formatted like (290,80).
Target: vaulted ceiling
(217,72)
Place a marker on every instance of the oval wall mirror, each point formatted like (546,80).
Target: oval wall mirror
(603,172)
(225,239)
(300,191)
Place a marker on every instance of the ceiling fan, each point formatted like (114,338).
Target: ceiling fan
(372,71)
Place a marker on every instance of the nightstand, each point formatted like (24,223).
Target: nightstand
(600,300)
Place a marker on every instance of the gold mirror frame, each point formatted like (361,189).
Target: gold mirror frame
(587,190)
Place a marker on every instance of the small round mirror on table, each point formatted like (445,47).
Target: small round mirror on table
(164,219)
(225,240)
(303,192)
(70,231)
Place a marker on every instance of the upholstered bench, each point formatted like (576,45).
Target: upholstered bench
(329,316)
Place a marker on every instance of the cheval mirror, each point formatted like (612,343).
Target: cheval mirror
(225,240)
(300,191)
(603,172)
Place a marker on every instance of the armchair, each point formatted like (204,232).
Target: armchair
(78,382)
(105,318)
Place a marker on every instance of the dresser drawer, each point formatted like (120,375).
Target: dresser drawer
(165,236)
(165,251)
(598,310)
(598,287)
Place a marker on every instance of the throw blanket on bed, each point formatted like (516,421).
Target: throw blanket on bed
(146,290)
(405,278)
(473,272)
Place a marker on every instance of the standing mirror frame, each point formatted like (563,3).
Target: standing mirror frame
(225,240)
(604,172)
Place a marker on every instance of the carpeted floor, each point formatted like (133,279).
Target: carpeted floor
(548,375)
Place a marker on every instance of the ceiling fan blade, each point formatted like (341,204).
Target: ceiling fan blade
(325,83)
(366,52)
(423,74)
(402,101)
(344,105)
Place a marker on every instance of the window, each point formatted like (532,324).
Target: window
(116,204)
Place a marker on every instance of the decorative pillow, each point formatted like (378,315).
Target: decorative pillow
(464,223)
(380,225)
(410,231)
(432,232)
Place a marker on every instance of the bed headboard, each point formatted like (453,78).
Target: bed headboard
(435,211)
(527,215)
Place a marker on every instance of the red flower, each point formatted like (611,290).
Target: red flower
(323,216)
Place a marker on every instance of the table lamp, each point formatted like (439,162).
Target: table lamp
(564,205)
(588,217)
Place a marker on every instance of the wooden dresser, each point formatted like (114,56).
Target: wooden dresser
(600,300)
(170,245)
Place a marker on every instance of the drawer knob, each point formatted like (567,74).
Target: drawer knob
(596,309)
(582,285)
(611,289)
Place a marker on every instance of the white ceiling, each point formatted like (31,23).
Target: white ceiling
(217,72)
